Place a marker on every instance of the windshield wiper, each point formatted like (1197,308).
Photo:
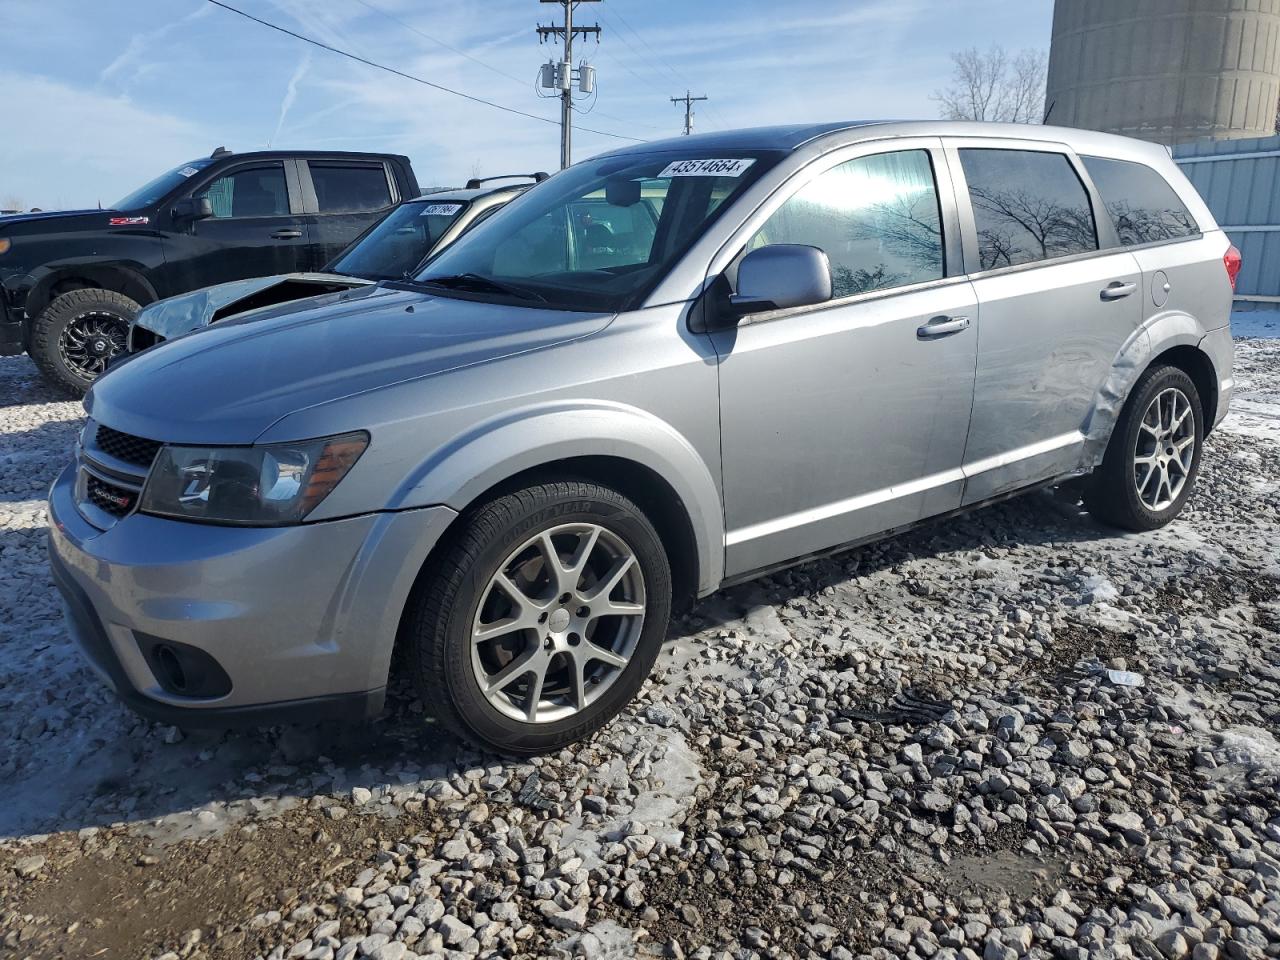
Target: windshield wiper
(476,281)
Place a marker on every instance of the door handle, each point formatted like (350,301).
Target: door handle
(941,327)
(1118,290)
(286,235)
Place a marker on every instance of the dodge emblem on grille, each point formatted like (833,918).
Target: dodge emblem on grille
(120,500)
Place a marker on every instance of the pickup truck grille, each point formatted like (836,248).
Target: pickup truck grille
(126,447)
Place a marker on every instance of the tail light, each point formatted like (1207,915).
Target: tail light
(1231,260)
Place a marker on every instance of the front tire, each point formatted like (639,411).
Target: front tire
(542,619)
(76,336)
(1153,456)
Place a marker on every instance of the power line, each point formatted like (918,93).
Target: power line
(650,59)
(438,42)
(406,76)
(564,70)
(688,101)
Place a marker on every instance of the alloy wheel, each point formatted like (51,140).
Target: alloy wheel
(90,340)
(558,623)
(1165,449)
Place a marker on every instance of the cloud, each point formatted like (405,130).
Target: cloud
(127,66)
(97,148)
(291,94)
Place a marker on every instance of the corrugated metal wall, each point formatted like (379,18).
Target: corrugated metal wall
(1240,181)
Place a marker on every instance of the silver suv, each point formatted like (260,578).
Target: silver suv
(666,369)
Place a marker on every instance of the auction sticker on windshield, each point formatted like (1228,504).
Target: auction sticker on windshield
(705,168)
(441,209)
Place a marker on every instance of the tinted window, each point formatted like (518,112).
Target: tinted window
(345,188)
(400,241)
(876,217)
(145,196)
(1142,205)
(255,192)
(1028,206)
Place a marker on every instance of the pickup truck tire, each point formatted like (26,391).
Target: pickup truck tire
(1153,456)
(77,334)
(529,674)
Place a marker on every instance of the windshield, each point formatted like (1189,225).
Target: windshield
(598,236)
(399,242)
(161,185)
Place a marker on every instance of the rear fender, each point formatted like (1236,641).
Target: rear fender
(1159,333)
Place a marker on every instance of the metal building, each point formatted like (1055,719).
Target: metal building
(1169,71)
(1240,181)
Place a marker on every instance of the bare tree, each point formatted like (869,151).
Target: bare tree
(11,201)
(996,86)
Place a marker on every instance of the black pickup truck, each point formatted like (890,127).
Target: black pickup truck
(71,282)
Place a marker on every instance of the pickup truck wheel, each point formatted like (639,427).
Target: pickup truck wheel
(76,336)
(1153,456)
(542,619)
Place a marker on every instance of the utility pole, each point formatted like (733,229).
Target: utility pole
(688,102)
(563,73)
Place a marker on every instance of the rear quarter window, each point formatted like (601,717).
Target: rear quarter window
(1141,203)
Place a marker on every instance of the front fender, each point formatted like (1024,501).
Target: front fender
(112,273)
(456,474)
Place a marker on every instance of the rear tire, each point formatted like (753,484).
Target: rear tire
(1153,456)
(542,618)
(77,334)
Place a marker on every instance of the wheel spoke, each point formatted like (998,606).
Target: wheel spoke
(586,545)
(610,580)
(579,680)
(559,574)
(536,680)
(512,671)
(597,652)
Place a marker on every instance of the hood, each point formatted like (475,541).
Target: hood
(227,383)
(190,311)
(19,220)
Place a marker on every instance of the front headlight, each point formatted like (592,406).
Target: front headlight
(264,486)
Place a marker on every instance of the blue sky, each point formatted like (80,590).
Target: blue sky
(101,95)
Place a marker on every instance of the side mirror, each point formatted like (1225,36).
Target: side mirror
(193,208)
(780,276)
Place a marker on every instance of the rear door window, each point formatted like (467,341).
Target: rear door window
(350,188)
(876,217)
(1028,205)
(1144,208)
(249,192)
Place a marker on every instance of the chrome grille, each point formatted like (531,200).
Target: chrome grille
(126,447)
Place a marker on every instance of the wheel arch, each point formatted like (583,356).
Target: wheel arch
(122,278)
(1172,338)
(619,446)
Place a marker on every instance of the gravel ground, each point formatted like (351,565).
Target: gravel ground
(930,747)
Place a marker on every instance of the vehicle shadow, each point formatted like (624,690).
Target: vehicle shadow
(1048,517)
(72,756)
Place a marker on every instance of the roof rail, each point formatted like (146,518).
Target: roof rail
(474,182)
(220,152)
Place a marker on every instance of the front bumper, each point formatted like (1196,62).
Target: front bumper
(302,620)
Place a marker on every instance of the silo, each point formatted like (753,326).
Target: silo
(1170,71)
